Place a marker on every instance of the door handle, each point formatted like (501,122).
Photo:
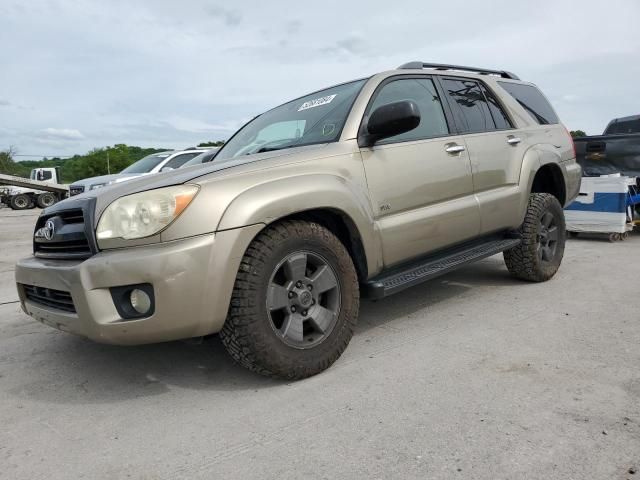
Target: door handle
(513,140)
(454,148)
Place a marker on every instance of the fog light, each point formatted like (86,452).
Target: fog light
(140,301)
(134,301)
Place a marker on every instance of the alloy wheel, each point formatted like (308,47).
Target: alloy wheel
(303,299)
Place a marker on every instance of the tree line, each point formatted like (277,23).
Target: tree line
(99,161)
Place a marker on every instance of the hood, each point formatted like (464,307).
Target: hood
(105,196)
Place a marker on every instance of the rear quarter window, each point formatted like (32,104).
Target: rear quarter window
(623,126)
(532,100)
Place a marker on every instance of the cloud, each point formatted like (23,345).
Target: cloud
(230,17)
(354,44)
(61,134)
(198,126)
(175,73)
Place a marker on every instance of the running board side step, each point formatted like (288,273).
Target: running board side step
(400,278)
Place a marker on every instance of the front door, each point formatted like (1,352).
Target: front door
(420,181)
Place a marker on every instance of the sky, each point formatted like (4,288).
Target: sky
(76,75)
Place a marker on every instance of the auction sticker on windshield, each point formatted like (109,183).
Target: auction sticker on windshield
(317,102)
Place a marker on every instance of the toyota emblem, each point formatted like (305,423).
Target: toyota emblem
(49,229)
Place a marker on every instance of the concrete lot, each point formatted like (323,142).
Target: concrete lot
(474,375)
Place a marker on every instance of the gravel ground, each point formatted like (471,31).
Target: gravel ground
(473,375)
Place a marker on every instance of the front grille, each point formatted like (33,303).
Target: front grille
(48,297)
(77,190)
(69,239)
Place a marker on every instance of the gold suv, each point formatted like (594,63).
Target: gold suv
(361,189)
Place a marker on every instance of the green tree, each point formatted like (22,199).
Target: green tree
(9,166)
(578,133)
(91,164)
(217,143)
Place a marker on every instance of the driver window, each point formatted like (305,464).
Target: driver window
(423,92)
(44,175)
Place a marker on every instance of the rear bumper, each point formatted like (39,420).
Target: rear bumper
(572,172)
(192,281)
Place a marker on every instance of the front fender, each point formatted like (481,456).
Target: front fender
(268,202)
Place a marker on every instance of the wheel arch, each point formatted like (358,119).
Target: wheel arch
(330,201)
(549,179)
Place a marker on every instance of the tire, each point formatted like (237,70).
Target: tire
(264,331)
(543,234)
(20,202)
(45,200)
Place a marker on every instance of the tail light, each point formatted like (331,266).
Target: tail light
(573,145)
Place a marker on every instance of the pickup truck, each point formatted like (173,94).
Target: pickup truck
(617,150)
(361,189)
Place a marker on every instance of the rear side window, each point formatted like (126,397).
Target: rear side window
(178,161)
(623,126)
(422,91)
(499,117)
(532,100)
(471,108)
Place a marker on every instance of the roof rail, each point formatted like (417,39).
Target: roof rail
(440,66)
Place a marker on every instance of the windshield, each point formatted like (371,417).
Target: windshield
(315,118)
(146,164)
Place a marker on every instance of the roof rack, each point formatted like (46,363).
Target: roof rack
(440,66)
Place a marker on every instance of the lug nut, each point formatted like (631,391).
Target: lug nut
(293,309)
(290,294)
(304,312)
(298,284)
(310,287)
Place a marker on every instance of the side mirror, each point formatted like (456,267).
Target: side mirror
(166,169)
(390,120)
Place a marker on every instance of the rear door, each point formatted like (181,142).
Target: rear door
(495,150)
(420,181)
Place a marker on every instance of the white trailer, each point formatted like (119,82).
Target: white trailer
(42,189)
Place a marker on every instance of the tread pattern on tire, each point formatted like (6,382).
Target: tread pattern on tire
(522,261)
(250,346)
(13,203)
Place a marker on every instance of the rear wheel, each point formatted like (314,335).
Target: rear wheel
(295,302)
(543,234)
(20,202)
(45,200)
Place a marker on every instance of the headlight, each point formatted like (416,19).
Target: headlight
(144,214)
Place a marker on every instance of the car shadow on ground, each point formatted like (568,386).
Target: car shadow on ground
(73,370)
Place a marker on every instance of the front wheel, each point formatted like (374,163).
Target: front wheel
(295,302)
(543,234)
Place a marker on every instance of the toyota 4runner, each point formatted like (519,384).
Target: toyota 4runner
(362,189)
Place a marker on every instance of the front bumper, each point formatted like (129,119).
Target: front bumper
(192,280)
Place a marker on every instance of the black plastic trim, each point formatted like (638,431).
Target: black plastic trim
(441,66)
(425,268)
(120,297)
